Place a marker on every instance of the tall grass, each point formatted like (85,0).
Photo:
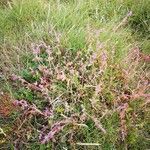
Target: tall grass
(22,21)
(78,70)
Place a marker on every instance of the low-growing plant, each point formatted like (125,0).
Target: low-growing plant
(80,79)
(81,94)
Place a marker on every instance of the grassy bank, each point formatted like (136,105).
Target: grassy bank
(73,74)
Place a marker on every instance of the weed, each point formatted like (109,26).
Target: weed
(76,74)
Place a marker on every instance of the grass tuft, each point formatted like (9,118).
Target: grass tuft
(74,75)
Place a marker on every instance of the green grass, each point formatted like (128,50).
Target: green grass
(93,37)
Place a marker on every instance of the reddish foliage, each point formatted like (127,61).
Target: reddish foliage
(122,112)
(6,105)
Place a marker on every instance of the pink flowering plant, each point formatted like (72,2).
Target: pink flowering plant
(69,94)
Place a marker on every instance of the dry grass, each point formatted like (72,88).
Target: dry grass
(76,75)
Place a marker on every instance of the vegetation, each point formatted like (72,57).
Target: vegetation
(74,74)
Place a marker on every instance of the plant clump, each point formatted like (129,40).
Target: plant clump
(76,92)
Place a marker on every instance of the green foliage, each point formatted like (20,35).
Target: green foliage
(92,65)
(140,21)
